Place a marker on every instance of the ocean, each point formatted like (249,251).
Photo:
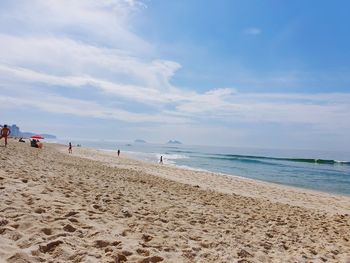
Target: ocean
(326,171)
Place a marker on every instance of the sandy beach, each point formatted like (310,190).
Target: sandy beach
(91,206)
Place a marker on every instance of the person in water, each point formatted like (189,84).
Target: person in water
(70,148)
(161,159)
(4,133)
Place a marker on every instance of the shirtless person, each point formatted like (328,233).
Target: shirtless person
(5,132)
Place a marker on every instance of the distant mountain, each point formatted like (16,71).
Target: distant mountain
(30,134)
(48,136)
(174,142)
(140,141)
(25,134)
(16,132)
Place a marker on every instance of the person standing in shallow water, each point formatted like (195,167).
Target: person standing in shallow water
(70,150)
(161,159)
(118,152)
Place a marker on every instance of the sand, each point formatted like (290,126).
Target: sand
(91,206)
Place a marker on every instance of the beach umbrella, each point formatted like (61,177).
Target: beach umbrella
(37,137)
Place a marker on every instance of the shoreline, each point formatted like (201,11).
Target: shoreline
(224,183)
(297,187)
(91,206)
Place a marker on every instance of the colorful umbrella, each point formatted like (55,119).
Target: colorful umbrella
(37,137)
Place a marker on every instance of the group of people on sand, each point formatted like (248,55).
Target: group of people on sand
(5,133)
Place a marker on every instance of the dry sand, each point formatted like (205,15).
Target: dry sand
(94,207)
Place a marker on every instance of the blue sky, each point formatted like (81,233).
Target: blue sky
(265,39)
(236,73)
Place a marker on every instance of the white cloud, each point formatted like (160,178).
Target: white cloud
(252,31)
(62,105)
(227,105)
(87,44)
(132,92)
(103,22)
(62,56)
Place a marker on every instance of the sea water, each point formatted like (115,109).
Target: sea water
(327,171)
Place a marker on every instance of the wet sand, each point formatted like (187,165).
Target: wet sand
(94,207)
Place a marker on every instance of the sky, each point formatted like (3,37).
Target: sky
(247,73)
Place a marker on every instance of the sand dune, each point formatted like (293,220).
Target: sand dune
(94,207)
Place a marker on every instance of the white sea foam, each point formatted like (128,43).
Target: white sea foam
(171,158)
(52,141)
(155,157)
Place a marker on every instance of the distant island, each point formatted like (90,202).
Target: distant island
(140,141)
(174,142)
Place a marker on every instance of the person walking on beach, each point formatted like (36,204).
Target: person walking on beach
(5,132)
(118,152)
(70,148)
(161,159)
